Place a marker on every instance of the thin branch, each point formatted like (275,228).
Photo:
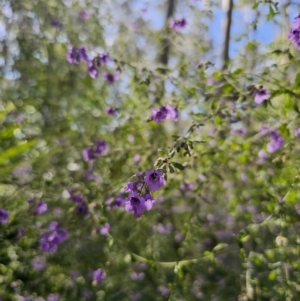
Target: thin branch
(166,41)
(227,28)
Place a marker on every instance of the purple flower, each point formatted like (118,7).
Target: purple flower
(77,198)
(260,95)
(186,187)
(163,290)
(297,132)
(40,208)
(178,237)
(37,207)
(103,230)
(276,142)
(172,113)
(84,15)
(155,179)
(53,297)
(149,201)
(88,154)
(3,216)
(92,70)
(119,201)
(102,59)
(111,77)
(137,276)
(133,186)
(136,204)
(56,24)
(159,115)
(164,229)
(76,55)
(112,112)
(38,263)
(294,34)
(82,52)
(51,239)
(99,275)
(100,147)
(82,209)
(178,25)
(165,112)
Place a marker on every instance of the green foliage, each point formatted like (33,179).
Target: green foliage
(225,225)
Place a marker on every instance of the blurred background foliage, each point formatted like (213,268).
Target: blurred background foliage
(226,225)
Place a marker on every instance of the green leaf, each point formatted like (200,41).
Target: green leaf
(277,51)
(15,151)
(255,6)
(297,80)
(271,13)
(178,165)
(219,247)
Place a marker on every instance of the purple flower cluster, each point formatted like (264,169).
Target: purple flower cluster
(82,207)
(51,239)
(3,216)
(99,275)
(276,142)
(92,153)
(260,95)
(294,34)
(78,54)
(178,25)
(140,198)
(165,112)
(37,207)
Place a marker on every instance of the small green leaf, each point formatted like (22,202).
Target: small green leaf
(219,247)
(178,165)
(297,80)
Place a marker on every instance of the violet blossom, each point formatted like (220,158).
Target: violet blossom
(178,25)
(51,239)
(260,95)
(92,153)
(294,33)
(3,216)
(38,263)
(165,112)
(136,204)
(276,142)
(84,15)
(92,70)
(111,111)
(99,276)
(103,230)
(110,78)
(75,197)
(102,59)
(155,179)
(76,55)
